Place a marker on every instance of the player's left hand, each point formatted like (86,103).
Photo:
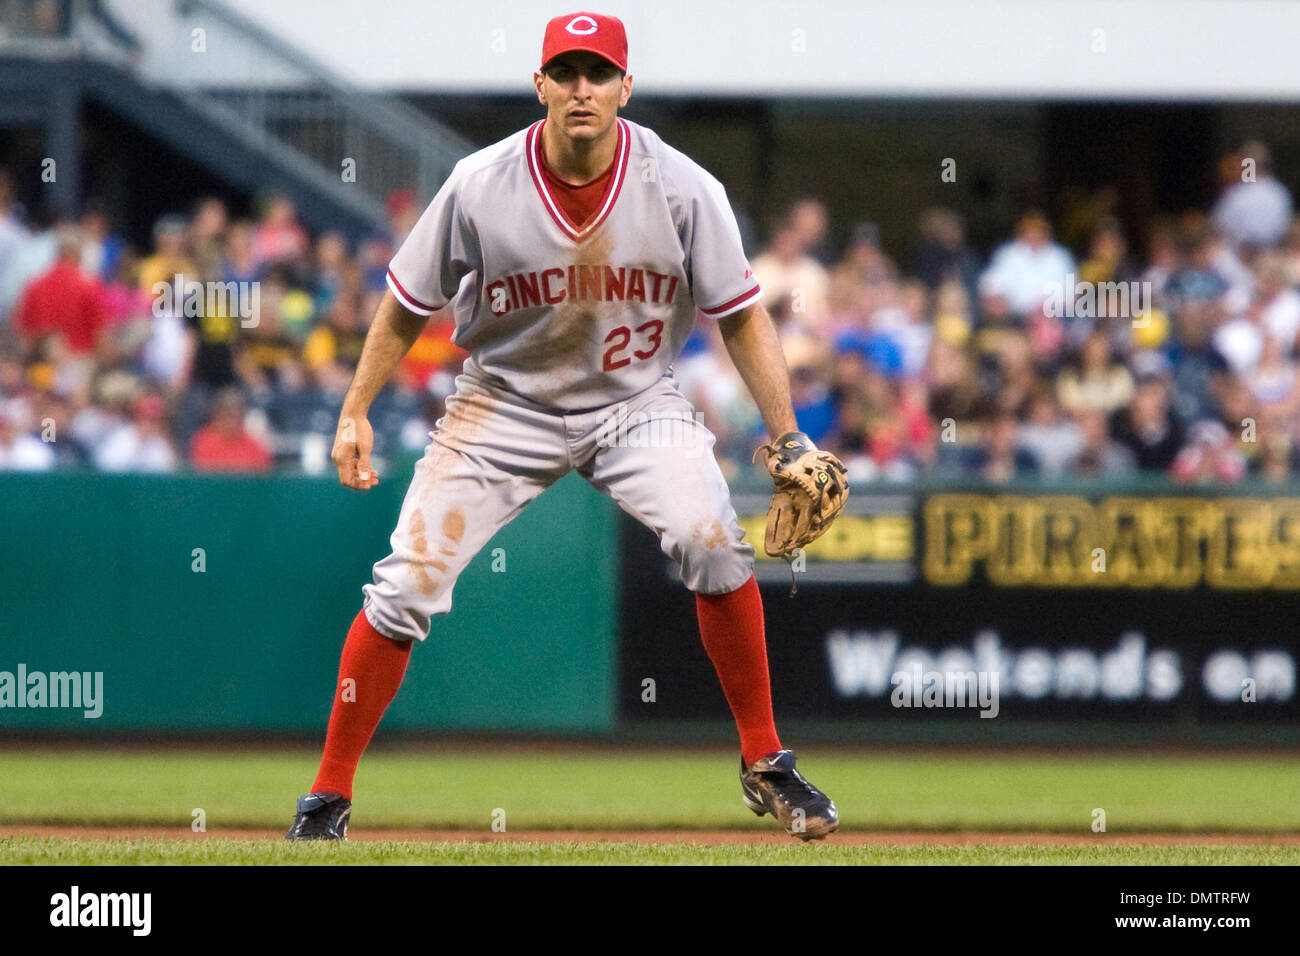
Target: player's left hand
(811,489)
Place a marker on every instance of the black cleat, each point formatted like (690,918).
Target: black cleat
(772,785)
(321,816)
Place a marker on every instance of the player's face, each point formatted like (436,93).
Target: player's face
(582,93)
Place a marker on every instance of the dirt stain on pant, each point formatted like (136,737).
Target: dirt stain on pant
(453,529)
(421,561)
(711,534)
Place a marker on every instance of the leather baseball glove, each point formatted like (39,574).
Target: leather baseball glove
(811,488)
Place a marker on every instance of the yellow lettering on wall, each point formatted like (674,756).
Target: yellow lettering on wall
(1238,553)
(1064,539)
(958,532)
(1180,525)
(1284,539)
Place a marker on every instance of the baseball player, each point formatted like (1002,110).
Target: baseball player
(576,255)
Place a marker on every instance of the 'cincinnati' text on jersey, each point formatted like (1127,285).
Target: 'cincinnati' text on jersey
(584,283)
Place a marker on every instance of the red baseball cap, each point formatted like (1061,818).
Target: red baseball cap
(593,32)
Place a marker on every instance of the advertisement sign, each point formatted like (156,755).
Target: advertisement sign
(992,605)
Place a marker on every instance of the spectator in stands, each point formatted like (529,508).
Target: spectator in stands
(17,387)
(417,431)
(1054,440)
(905,320)
(211,336)
(1236,408)
(141,444)
(100,246)
(995,320)
(224,444)
(279,239)
(808,220)
(240,264)
(33,256)
(272,343)
(1094,379)
(428,366)
(342,335)
(13,234)
(710,381)
(1291,252)
(1278,462)
(1273,381)
(1276,304)
(99,410)
(207,237)
(1049,335)
(332,270)
(1108,259)
(1099,456)
(886,422)
(1001,457)
(52,417)
(63,303)
(814,405)
(1147,426)
(20,451)
(860,281)
(794,284)
(942,255)
(1085,212)
(403,213)
(1279,456)
(170,258)
(953,314)
(1163,260)
(1197,367)
(952,381)
(127,306)
(1011,379)
(1239,340)
(374,255)
(12,382)
(1210,456)
(1255,210)
(1025,270)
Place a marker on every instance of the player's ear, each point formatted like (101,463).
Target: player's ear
(627,91)
(539,81)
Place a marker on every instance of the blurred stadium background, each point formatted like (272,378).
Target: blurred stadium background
(1099,503)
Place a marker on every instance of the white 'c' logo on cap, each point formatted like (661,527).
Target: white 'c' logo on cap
(573,26)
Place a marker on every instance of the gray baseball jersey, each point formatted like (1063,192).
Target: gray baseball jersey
(568,317)
(571,333)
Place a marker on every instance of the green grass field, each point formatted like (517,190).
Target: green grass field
(550,788)
(411,853)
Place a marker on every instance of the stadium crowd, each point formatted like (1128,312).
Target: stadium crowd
(1040,360)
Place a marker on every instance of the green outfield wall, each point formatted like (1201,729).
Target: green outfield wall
(220,604)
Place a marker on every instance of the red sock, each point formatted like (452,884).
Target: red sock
(731,626)
(375,666)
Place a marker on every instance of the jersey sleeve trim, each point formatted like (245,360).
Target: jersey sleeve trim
(408,301)
(735,305)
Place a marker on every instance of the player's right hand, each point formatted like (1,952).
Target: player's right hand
(353,442)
